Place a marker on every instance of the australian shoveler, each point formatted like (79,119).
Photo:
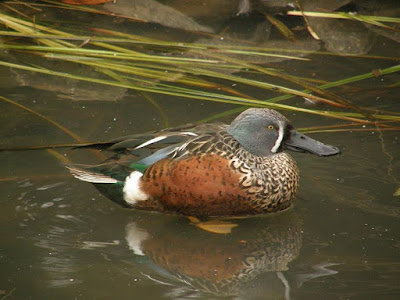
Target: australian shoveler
(207,170)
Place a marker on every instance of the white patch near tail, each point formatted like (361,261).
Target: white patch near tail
(90,176)
(132,191)
(135,236)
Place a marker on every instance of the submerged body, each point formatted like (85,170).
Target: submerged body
(213,170)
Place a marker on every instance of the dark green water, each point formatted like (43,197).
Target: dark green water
(61,239)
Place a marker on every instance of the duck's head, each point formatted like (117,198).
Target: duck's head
(265,132)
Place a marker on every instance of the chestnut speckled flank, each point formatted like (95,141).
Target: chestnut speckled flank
(211,170)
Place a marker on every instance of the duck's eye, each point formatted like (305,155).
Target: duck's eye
(270,127)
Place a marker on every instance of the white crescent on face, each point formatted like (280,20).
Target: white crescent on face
(279,140)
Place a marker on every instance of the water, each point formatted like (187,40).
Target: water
(61,239)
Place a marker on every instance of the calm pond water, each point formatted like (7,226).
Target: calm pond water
(61,239)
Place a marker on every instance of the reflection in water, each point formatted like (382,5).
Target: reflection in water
(59,263)
(81,252)
(320,270)
(216,263)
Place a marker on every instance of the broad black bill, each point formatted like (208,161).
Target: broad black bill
(299,142)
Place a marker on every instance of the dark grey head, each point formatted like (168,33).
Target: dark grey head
(264,132)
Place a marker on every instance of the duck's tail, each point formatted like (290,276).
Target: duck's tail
(108,180)
(90,175)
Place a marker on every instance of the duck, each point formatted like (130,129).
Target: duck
(206,170)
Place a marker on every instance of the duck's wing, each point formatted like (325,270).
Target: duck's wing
(156,139)
(137,152)
(168,143)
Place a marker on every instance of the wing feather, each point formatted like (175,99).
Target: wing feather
(90,176)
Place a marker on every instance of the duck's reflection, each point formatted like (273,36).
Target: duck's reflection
(259,247)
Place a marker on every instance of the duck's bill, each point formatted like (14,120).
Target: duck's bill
(299,142)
